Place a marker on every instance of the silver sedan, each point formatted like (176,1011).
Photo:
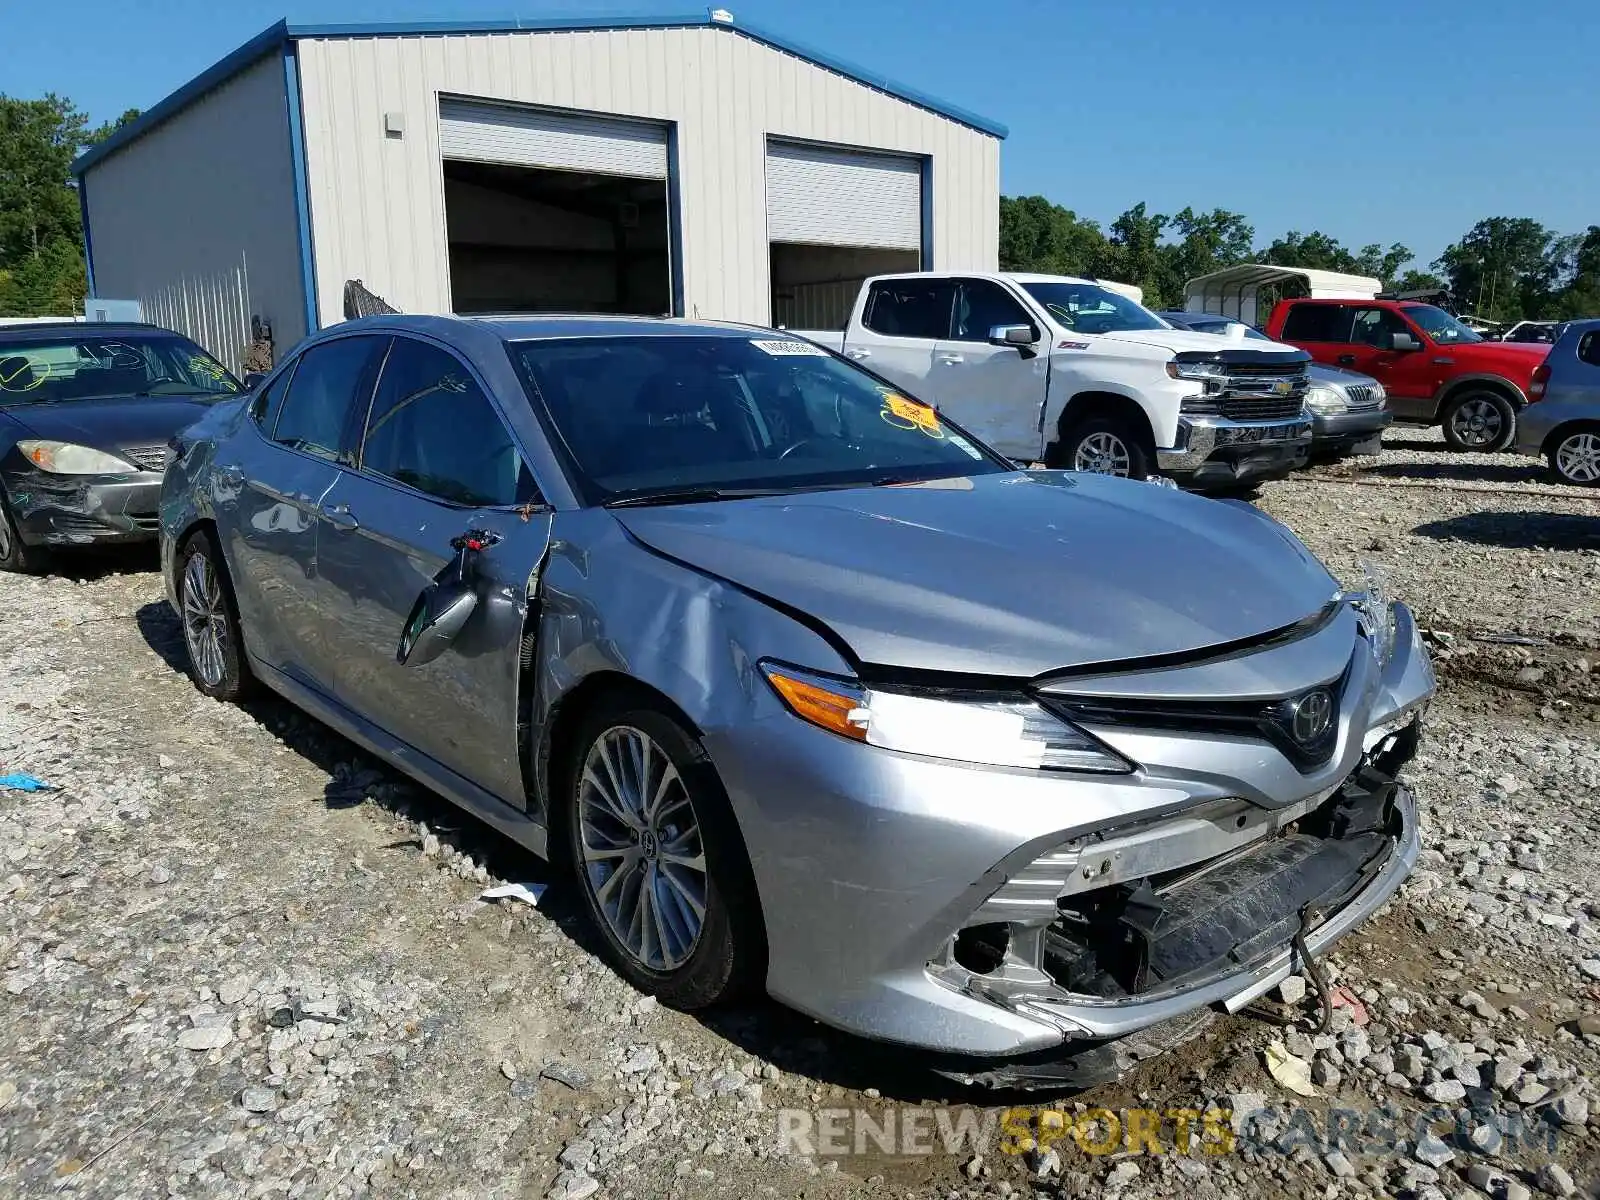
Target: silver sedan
(806,689)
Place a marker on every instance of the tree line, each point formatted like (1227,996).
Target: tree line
(1503,268)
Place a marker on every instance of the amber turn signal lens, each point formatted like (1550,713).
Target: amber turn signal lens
(821,705)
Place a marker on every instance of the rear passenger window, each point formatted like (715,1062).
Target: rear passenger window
(1317,323)
(1589,349)
(327,381)
(910,308)
(432,428)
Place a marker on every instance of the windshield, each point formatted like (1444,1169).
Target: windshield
(91,367)
(1440,325)
(639,416)
(1222,326)
(1089,308)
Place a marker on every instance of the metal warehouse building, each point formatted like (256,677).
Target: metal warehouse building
(686,165)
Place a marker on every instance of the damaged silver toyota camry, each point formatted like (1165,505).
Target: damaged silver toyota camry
(808,690)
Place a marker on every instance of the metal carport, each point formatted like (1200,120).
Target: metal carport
(1232,291)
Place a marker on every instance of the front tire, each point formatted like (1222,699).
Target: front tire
(1104,446)
(16,556)
(1480,421)
(658,859)
(1575,458)
(211,621)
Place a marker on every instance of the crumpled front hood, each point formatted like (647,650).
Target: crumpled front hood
(108,424)
(1185,339)
(1004,575)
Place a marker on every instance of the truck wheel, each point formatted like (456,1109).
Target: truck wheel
(1479,420)
(1576,457)
(1104,446)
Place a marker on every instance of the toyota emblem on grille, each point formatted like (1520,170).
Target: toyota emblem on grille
(1313,716)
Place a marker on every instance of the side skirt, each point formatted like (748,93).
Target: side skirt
(488,808)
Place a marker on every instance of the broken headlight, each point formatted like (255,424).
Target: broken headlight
(999,731)
(1376,612)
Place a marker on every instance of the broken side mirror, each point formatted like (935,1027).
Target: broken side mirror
(253,380)
(445,605)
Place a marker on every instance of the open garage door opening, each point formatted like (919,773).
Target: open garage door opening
(836,216)
(554,212)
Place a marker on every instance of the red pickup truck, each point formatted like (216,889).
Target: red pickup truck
(1435,370)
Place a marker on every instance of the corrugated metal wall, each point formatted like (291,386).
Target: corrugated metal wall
(377,202)
(196,219)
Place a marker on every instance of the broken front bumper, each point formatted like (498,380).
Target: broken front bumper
(1216,450)
(871,866)
(70,510)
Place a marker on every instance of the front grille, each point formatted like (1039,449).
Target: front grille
(1272,370)
(146,524)
(147,458)
(1361,396)
(1272,720)
(1261,408)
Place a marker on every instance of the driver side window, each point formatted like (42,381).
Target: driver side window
(432,428)
(981,304)
(1376,327)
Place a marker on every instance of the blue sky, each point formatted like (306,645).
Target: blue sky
(1374,122)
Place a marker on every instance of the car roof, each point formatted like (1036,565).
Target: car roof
(515,327)
(64,330)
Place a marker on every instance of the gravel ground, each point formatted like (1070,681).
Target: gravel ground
(240,958)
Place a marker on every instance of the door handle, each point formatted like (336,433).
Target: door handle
(858,354)
(1347,360)
(340,517)
(951,359)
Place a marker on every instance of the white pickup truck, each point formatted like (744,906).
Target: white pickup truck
(1068,372)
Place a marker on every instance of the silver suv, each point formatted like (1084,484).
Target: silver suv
(1561,423)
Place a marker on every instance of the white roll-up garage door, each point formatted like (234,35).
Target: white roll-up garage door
(532,137)
(834,197)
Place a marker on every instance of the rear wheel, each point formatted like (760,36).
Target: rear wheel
(1479,420)
(659,859)
(14,554)
(1104,446)
(1576,457)
(210,621)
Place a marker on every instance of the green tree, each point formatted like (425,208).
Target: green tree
(1036,235)
(1383,264)
(1205,242)
(1502,268)
(1134,255)
(1418,281)
(41,228)
(1315,251)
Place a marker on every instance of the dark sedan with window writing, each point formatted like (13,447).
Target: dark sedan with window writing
(807,689)
(85,415)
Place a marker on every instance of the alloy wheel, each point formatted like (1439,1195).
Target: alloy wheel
(5,538)
(1477,422)
(643,857)
(1102,453)
(205,620)
(1578,458)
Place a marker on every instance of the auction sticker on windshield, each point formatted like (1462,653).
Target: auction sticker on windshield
(905,413)
(780,349)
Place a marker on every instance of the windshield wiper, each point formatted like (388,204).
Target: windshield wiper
(691,496)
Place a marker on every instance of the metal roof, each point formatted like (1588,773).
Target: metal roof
(281,34)
(1332,283)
